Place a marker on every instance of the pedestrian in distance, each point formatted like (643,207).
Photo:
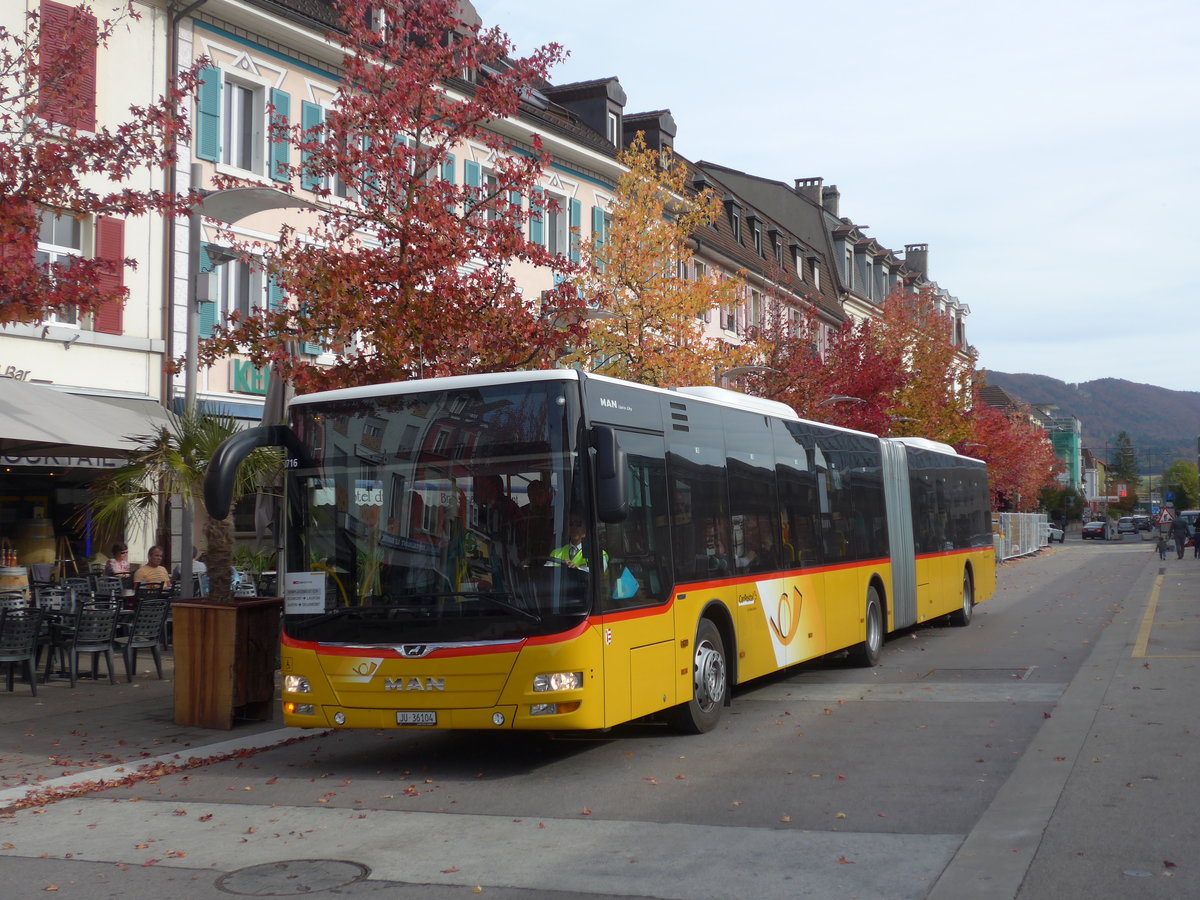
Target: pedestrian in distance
(1162,546)
(1179,531)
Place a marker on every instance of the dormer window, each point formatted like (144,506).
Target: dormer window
(612,128)
(756,234)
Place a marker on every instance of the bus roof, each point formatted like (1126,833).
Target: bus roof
(708,393)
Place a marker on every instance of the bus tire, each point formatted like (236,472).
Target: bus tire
(867,653)
(710,683)
(961,617)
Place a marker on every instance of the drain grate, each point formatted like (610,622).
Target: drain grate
(292,877)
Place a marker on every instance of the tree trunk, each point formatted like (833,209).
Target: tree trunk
(218,535)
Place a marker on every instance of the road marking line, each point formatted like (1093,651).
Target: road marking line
(1143,638)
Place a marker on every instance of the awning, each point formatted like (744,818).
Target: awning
(35,419)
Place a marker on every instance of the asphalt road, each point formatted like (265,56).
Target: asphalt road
(1033,754)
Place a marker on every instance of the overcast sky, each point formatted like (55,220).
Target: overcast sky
(1046,151)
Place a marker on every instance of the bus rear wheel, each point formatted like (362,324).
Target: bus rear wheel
(962,615)
(710,681)
(867,653)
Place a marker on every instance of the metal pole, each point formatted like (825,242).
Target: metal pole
(190,374)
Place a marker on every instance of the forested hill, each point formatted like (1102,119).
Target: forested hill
(1156,418)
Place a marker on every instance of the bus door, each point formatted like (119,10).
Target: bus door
(638,633)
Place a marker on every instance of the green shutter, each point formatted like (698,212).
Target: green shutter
(473,173)
(208,115)
(207,308)
(598,235)
(448,168)
(537,222)
(312,117)
(282,117)
(576,216)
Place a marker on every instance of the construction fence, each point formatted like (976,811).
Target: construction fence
(1018,534)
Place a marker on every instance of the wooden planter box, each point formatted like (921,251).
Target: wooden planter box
(225,656)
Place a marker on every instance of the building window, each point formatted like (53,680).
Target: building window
(239,289)
(242,135)
(60,242)
(757,235)
(756,310)
(557,228)
(612,129)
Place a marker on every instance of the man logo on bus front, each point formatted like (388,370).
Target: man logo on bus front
(413,651)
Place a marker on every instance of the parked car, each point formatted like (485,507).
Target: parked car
(1143,523)
(1054,533)
(1095,531)
(1126,525)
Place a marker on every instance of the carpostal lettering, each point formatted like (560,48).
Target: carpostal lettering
(414,684)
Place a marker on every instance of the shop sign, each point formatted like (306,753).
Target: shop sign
(62,462)
(249,378)
(16,374)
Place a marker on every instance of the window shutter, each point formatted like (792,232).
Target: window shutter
(473,173)
(275,296)
(67,81)
(598,234)
(576,215)
(208,115)
(537,223)
(207,318)
(448,168)
(280,149)
(110,249)
(312,117)
(20,246)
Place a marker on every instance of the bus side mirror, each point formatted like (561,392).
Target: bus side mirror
(612,494)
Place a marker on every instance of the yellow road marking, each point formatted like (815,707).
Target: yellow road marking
(1143,638)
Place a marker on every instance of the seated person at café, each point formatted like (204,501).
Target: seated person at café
(118,563)
(153,572)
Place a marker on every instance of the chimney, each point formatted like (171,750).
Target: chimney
(916,258)
(830,198)
(810,188)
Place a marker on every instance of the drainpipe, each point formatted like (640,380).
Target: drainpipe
(168,312)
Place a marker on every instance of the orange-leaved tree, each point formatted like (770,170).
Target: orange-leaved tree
(407,271)
(59,165)
(935,399)
(654,333)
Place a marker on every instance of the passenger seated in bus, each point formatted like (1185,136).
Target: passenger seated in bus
(716,549)
(535,522)
(573,553)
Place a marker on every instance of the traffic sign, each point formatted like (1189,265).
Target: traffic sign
(1165,515)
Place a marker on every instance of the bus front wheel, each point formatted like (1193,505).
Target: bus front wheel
(868,652)
(710,681)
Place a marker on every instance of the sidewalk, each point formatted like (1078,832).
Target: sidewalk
(69,740)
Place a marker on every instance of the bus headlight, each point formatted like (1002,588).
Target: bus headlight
(558,681)
(296,684)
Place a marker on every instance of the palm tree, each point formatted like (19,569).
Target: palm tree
(171,463)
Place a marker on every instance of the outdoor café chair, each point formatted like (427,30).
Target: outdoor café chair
(109,586)
(52,599)
(19,633)
(13,599)
(145,631)
(93,631)
(146,589)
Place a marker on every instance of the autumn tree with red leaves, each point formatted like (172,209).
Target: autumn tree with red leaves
(1020,458)
(852,384)
(55,158)
(406,271)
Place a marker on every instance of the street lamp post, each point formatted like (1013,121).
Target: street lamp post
(725,378)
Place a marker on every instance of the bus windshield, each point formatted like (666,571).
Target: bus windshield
(442,516)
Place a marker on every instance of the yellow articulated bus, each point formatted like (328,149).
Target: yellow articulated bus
(559,550)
